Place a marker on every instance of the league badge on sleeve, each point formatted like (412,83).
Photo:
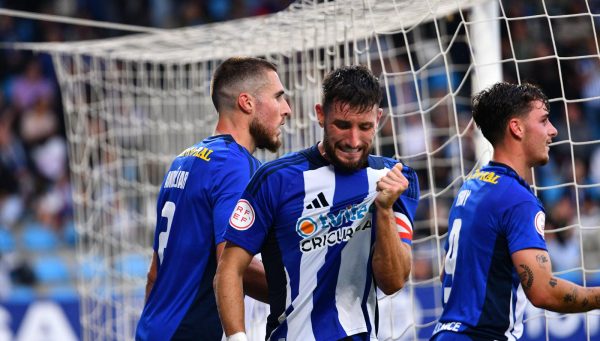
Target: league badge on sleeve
(243,216)
(540,222)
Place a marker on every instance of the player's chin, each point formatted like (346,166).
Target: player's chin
(351,164)
(543,160)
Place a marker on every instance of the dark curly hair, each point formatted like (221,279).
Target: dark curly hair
(495,106)
(353,85)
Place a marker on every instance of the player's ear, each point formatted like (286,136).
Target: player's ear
(245,102)
(379,114)
(320,114)
(516,128)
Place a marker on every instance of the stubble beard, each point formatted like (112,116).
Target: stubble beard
(262,138)
(347,167)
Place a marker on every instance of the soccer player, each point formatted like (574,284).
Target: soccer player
(197,197)
(496,254)
(330,221)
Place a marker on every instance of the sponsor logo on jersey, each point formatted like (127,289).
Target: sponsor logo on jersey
(318,202)
(450,326)
(243,216)
(540,222)
(307,226)
(199,152)
(333,237)
(490,177)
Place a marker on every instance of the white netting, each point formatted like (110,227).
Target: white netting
(133,103)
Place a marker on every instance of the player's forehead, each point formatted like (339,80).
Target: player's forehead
(345,112)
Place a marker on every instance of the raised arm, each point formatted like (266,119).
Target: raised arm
(391,257)
(548,292)
(229,289)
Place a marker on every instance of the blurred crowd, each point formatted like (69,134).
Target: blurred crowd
(36,210)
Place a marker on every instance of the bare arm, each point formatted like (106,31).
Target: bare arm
(548,292)
(391,257)
(229,287)
(151,277)
(255,281)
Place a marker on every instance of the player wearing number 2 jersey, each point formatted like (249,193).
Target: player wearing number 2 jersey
(331,222)
(496,255)
(197,197)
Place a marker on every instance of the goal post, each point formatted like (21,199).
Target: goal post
(132,103)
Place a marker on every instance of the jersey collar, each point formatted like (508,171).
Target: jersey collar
(507,170)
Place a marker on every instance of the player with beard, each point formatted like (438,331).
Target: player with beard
(332,223)
(196,198)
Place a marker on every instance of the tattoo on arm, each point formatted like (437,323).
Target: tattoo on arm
(572,297)
(542,260)
(526,277)
(585,302)
(553,282)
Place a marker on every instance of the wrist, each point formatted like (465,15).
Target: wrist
(239,336)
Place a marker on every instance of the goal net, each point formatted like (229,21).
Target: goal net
(133,103)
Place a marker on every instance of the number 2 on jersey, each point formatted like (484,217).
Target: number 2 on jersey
(450,261)
(168,212)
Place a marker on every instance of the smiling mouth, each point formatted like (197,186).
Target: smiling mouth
(350,151)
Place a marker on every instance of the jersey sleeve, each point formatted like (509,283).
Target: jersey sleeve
(524,226)
(231,177)
(405,207)
(252,216)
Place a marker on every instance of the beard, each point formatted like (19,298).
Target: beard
(262,137)
(344,166)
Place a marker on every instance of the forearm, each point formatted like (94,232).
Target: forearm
(391,257)
(567,297)
(548,292)
(230,301)
(255,281)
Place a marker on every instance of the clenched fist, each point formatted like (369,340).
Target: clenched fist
(390,187)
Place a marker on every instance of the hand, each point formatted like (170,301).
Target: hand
(390,187)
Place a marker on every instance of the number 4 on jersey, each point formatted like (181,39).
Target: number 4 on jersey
(168,212)
(450,262)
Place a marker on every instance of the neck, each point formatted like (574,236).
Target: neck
(515,160)
(238,129)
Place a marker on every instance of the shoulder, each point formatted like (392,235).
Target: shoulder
(503,190)
(285,168)
(380,162)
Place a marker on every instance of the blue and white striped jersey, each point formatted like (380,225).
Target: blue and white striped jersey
(494,215)
(195,202)
(313,227)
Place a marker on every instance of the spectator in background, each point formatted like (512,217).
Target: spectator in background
(31,87)
(15,179)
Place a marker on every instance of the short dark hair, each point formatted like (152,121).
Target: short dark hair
(234,73)
(495,106)
(353,85)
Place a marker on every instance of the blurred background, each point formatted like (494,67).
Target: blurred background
(37,234)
